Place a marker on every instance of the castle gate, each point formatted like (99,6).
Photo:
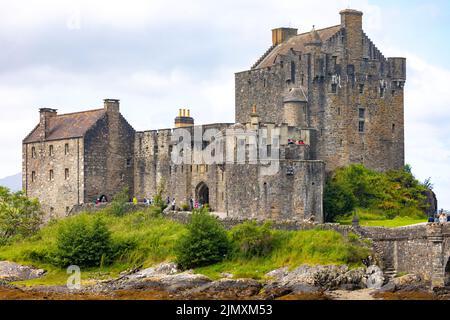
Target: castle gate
(202,193)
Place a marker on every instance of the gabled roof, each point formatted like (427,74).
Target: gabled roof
(297,43)
(67,126)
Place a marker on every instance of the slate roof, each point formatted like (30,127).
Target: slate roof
(297,43)
(67,126)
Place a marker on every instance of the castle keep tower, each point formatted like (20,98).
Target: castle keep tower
(335,82)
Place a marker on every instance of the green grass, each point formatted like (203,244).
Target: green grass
(388,223)
(155,240)
(294,248)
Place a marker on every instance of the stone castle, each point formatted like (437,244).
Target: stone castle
(331,90)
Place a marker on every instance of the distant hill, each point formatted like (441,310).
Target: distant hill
(14,183)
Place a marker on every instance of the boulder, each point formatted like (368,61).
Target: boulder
(10,271)
(374,277)
(230,288)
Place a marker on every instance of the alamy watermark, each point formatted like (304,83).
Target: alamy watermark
(228,146)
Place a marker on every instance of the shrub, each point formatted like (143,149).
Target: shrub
(158,200)
(205,242)
(19,215)
(185,207)
(84,242)
(119,204)
(390,194)
(251,240)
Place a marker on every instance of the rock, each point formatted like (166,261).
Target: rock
(374,277)
(304,288)
(278,274)
(226,275)
(230,288)
(406,280)
(160,269)
(389,287)
(322,277)
(10,271)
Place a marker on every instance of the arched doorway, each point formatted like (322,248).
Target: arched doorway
(447,273)
(202,193)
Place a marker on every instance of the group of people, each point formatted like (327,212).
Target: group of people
(442,217)
(297,142)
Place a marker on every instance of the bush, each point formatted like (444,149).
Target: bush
(119,204)
(205,242)
(390,194)
(84,242)
(19,215)
(251,240)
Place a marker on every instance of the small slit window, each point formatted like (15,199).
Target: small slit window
(51,151)
(33,152)
(51,175)
(66,174)
(66,149)
(333,88)
(33,176)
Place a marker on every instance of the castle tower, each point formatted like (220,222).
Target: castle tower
(351,20)
(184,119)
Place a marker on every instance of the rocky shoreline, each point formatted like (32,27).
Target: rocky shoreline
(165,281)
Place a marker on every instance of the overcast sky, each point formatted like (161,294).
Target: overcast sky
(157,56)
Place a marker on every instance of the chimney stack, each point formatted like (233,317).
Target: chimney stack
(351,21)
(281,35)
(44,121)
(112,105)
(184,119)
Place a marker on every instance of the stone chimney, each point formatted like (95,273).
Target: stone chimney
(112,105)
(184,119)
(281,35)
(44,118)
(351,21)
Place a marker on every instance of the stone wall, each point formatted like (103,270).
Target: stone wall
(66,188)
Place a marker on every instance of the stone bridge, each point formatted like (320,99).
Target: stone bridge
(422,249)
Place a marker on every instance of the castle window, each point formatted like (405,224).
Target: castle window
(51,151)
(33,152)
(382,91)
(170,150)
(362,113)
(33,176)
(303,79)
(393,127)
(339,111)
(129,162)
(361,126)
(334,88)
(155,150)
(66,174)
(66,149)
(361,88)
(334,61)
(269,150)
(182,168)
(264,83)
(51,176)
(293,71)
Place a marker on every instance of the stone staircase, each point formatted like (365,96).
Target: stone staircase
(390,273)
(263,56)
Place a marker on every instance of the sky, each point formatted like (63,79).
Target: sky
(158,56)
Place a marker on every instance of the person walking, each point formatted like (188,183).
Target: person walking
(173,204)
(191,204)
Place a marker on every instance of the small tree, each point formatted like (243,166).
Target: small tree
(205,243)
(19,215)
(158,200)
(119,204)
(83,241)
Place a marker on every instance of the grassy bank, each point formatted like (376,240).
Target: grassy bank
(153,241)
